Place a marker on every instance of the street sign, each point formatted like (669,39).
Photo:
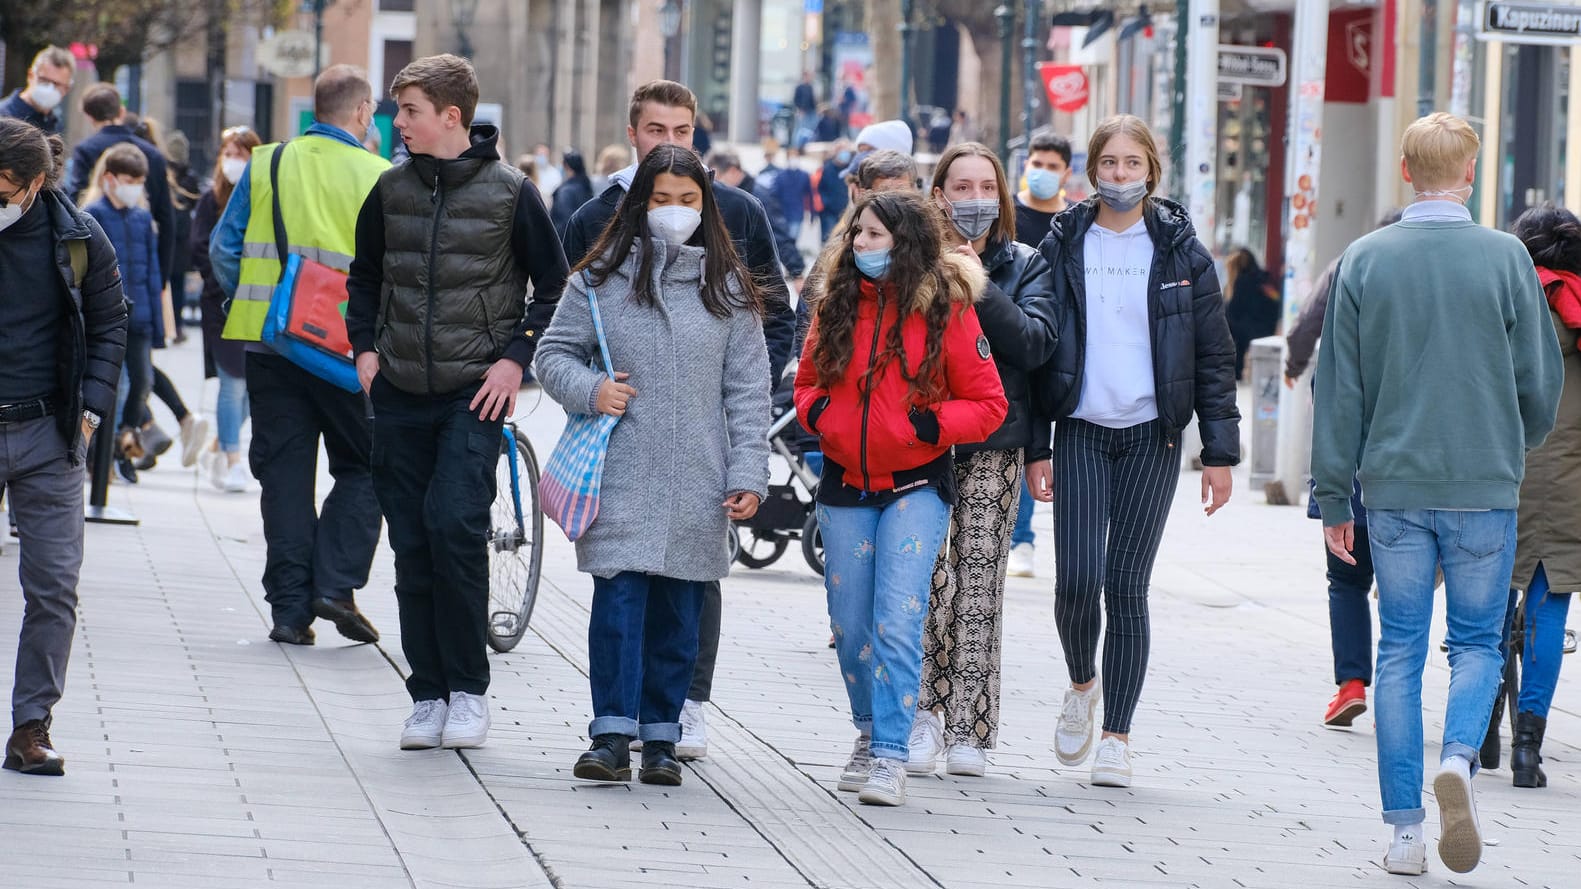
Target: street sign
(1230,92)
(1544,23)
(290,54)
(1252,65)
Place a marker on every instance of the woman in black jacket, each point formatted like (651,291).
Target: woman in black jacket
(960,672)
(1142,345)
(574,191)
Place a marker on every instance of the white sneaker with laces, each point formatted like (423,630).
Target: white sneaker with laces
(971,762)
(927,741)
(237,477)
(1407,855)
(886,785)
(1112,766)
(1023,561)
(194,435)
(1460,833)
(854,776)
(694,732)
(1073,732)
(467,724)
(425,728)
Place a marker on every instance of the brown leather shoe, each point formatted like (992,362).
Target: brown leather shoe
(30,751)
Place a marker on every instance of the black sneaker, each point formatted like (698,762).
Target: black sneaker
(126,470)
(659,765)
(348,620)
(609,759)
(291,635)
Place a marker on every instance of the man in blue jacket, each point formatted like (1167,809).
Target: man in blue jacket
(48,81)
(102,104)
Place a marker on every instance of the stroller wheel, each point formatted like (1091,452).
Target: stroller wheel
(760,549)
(812,542)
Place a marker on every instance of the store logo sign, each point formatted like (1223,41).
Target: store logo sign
(1252,65)
(1066,86)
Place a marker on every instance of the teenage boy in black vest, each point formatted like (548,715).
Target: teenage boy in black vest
(442,326)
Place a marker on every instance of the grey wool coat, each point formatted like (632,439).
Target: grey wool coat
(695,432)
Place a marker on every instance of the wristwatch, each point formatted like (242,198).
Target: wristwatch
(91,418)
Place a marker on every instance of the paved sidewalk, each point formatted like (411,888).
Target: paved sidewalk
(200,754)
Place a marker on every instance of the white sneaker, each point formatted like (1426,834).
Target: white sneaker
(1023,560)
(1112,766)
(467,724)
(1407,855)
(237,477)
(886,785)
(859,766)
(426,726)
(1460,834)
(1073,733)
(971,762)
(694,732)
(927,741)
(194,435)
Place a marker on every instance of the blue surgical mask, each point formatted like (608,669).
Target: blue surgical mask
(1044,184)
(843,157)
(873,263)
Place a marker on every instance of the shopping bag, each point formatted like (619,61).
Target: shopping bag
(569,486)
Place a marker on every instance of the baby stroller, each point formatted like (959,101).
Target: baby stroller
(786,515)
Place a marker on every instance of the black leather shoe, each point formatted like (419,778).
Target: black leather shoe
(659,765)
(31,752)
(609,759)
(291,635)
(348,620)
(1526,752)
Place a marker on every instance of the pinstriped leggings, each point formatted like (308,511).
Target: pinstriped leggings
(1112,492)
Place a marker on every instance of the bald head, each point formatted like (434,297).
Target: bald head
(341,97)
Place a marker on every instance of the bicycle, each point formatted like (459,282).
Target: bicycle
(515,542)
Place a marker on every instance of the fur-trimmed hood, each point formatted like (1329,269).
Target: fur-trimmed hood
(964,282)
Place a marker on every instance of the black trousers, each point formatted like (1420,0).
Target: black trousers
(707,643)
(312,552)
(434,466)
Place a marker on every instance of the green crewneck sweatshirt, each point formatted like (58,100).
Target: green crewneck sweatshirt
(1439,368)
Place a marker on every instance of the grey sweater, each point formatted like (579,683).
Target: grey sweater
(696,431)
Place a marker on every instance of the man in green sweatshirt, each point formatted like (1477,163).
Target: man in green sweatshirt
(1438,370)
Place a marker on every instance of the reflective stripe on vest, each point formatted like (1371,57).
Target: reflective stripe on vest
(323,183)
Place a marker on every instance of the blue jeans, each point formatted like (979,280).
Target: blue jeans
(1350,612)
(1477,553)
(641,645)
(1543,651)
(878,565)
(1022,532)
(231,410)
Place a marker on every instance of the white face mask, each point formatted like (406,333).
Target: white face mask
(128,194)
(10,213)
(45,96)
(232,168)
(674,224)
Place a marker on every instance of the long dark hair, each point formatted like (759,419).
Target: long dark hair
(1552,236)
(25,152)
(914,226)
(727,283)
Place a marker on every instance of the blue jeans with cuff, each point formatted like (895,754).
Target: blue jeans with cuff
(641,646)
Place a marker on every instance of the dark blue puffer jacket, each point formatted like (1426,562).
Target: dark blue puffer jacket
(131,232)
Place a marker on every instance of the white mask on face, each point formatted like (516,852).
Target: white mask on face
(128,194)
(674,224)
(11,212)
(232,168)
(45,96)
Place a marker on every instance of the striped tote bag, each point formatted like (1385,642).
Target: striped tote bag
(569,486)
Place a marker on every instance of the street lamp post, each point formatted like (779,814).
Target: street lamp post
(462,14)
(669,26)
(1007,26)
(1029,60)
(317,8)
(905,60)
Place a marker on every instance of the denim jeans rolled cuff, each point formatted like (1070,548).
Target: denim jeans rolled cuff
(614,725)
(1465,751)
(1405,816)
(664,731)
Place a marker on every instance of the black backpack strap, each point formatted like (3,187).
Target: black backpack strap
(281,244)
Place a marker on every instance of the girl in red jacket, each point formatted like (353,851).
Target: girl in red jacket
(895,372)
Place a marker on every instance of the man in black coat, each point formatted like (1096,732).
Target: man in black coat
(102,104)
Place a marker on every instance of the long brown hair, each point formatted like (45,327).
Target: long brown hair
(913,224)
(247,139)
(722,267)
(1004,228)
(1135,129)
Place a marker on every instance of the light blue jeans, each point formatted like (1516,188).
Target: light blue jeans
(231,411)
(878,564)
(1477,552)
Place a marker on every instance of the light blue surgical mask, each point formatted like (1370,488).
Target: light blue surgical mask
(1044,184)
(873,263)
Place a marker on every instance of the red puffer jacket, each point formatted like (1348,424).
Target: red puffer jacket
(871,435)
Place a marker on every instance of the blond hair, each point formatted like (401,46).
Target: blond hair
(1136,130)
(1436,149)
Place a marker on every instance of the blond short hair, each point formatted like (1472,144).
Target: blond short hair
(1436,149)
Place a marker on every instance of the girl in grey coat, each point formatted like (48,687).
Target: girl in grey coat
(690,453)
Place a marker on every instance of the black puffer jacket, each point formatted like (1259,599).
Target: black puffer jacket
(1193,355)
(1017,312)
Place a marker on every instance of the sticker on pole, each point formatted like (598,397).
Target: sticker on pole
(1066,85)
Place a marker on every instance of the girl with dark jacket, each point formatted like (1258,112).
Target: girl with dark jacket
(960,668)
(574,191)
(1142,346)
(895,372)
(226,359)
(1253,308)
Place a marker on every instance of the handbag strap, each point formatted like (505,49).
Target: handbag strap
(280,242)
(598,325)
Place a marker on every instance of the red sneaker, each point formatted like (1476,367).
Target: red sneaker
(1349,702)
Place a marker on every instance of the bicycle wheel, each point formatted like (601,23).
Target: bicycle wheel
(515,543)
(760,549)
(812,542)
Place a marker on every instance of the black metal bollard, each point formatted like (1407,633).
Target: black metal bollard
(101,457)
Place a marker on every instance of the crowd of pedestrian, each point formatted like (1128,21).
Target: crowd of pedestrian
(959,349)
